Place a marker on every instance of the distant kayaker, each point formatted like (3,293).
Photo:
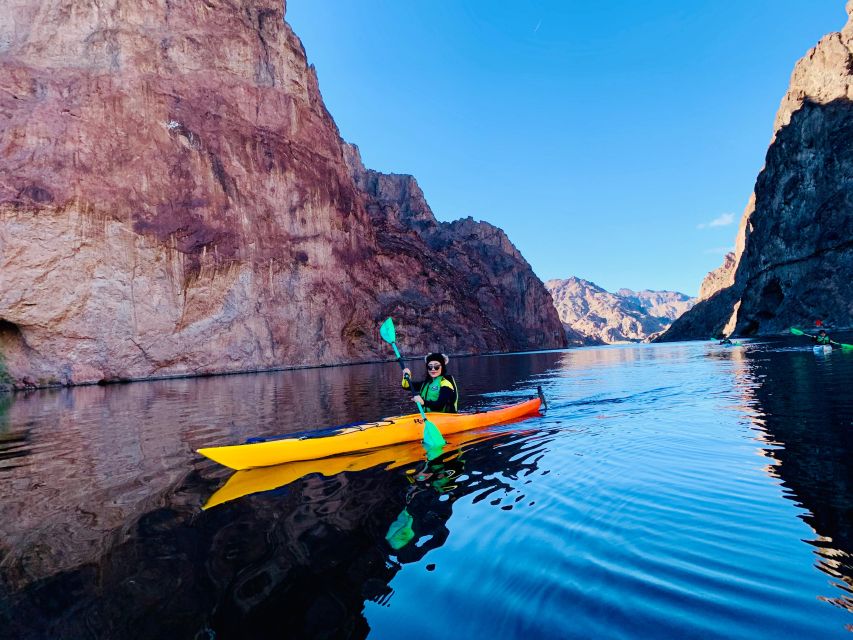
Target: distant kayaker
(725,340)
(823,338)
(438,391)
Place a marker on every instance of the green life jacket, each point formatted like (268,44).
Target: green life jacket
(823,340)
(431,389)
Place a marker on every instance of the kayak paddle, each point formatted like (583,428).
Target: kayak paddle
(400,532)
(432,436)
(844,347)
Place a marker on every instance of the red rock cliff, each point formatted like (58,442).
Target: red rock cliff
(175,199)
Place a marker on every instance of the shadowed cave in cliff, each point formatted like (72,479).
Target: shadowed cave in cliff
(11,340)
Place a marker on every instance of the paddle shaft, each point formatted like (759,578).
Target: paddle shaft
(433,440)
(408,379)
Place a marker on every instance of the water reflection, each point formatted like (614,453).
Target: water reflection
(310,553)
(805,413)
(634,508)
(313,539)
(101,486)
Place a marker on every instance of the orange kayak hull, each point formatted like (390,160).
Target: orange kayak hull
(361,437)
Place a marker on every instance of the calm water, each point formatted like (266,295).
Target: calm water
(673,491)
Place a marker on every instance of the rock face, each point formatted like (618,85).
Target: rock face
(720,278)
(175,199)
(592,315)
(793,261)
(441,270)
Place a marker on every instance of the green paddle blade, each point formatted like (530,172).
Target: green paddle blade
(387,331)
(797,332)
(432,437)
(432,454)
(400,532)
(846,347)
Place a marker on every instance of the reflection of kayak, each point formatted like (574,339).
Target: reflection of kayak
(822,348)
(249,481)
(361,437)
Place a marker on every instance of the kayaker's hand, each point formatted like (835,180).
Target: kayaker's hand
(407,373)
(418,399)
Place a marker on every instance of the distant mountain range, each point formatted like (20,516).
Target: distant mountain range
(592,315)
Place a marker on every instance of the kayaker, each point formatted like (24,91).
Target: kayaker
(438,391)
(823,338)
(725,340)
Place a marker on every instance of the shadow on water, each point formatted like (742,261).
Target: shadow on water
(806,404)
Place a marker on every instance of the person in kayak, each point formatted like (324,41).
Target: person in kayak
(822,338)
(438,392)
(725,340)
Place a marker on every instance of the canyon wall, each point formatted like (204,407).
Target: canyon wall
(175,199)
(793,261)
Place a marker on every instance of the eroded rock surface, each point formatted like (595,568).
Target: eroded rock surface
(176,199)
(720,278)
(793,262)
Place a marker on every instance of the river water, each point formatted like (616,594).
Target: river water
(682,490)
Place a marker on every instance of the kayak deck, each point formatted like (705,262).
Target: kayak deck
(361,437)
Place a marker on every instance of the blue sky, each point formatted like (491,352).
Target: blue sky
(614,141)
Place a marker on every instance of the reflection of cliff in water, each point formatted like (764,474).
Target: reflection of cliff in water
(807,404)
(296,562)
(79,467)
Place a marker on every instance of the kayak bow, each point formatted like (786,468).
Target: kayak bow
(369,435)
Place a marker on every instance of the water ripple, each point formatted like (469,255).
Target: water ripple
(670,491)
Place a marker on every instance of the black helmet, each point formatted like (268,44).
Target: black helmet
(441,358)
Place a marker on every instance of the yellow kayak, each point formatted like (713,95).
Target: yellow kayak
(361,437)
(249,481)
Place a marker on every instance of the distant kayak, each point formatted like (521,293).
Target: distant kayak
(361,437)
(822,348)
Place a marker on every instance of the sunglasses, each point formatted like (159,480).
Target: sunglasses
(434,367)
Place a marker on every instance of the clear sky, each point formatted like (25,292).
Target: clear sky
(614,141)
